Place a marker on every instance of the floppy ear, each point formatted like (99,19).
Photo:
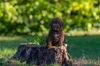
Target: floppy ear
(61,24)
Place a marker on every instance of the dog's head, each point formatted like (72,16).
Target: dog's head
(56,24)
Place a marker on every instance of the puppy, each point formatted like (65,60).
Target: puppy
(56,34)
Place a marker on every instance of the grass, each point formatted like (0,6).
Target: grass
(84,50)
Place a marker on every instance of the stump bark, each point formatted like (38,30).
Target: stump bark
(41,55)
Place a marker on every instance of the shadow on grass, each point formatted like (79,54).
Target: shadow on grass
(84,46)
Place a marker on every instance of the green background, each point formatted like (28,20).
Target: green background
(33,16)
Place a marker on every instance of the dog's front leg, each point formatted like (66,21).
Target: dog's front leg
(49,45)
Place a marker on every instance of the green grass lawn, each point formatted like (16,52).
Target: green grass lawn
(83,49)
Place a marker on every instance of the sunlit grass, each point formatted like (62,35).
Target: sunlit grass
(10,38)
(81,33)
(86,62)
(6,52)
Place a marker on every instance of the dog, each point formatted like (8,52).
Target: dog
(56,33)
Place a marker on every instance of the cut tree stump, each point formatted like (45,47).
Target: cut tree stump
(41,55)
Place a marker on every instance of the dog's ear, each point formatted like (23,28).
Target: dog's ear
(61,24)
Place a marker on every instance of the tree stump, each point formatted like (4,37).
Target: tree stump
(41,55)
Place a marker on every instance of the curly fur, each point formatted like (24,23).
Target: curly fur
(56,34)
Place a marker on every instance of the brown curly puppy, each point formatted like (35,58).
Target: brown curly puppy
(56,34)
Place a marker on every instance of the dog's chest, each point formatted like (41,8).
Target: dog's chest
(55,36)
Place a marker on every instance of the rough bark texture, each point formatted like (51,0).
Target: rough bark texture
(41,55)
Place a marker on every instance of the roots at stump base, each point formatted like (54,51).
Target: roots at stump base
(41,55)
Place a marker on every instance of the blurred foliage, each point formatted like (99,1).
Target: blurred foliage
(33,16)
